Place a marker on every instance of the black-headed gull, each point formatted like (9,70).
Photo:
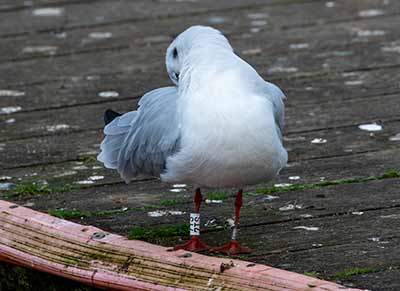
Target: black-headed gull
(220,125)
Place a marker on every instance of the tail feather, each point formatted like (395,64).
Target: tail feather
(116,129)
(110,115)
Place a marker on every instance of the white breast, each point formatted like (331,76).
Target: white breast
(228,139)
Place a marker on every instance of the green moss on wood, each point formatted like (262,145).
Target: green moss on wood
(28,189)
(78,214)
(353,272)
(170,202)
(217,195)
(102,213)
(35,188)
(390,174)
(313,274)
(152,234)
(69,214)
(88,160)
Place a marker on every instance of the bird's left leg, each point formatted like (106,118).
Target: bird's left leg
(233,247)
(194,244)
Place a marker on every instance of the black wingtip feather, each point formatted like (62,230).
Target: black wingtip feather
(110,115)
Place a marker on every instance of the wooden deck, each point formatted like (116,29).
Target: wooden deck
(339,64)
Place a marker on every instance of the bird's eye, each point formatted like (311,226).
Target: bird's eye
(175,53)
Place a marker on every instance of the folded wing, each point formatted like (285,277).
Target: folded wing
(276,96)
(139,142)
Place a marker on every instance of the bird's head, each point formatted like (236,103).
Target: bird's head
(182,49)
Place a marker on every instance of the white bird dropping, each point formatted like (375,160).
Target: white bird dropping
(370,127)
(48,11)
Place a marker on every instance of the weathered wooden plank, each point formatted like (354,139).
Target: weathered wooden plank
(126,12)
(364,241)
(85,90)
(24,232)
(137,63)
(349,113)
(369,256)
(137,35)
(294,236)
(257,210)
(148,79)
(105,12)
(383,280)
(311,90)
(14,5)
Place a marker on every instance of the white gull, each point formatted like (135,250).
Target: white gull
(220,125)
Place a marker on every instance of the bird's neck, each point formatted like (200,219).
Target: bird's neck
(208,55)
(201,66)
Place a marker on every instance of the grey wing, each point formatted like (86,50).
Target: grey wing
(275,94)
(142,140)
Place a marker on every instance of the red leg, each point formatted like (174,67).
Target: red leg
(194,244)
(233,247)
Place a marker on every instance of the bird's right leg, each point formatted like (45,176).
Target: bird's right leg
(233,247)
(194,244)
